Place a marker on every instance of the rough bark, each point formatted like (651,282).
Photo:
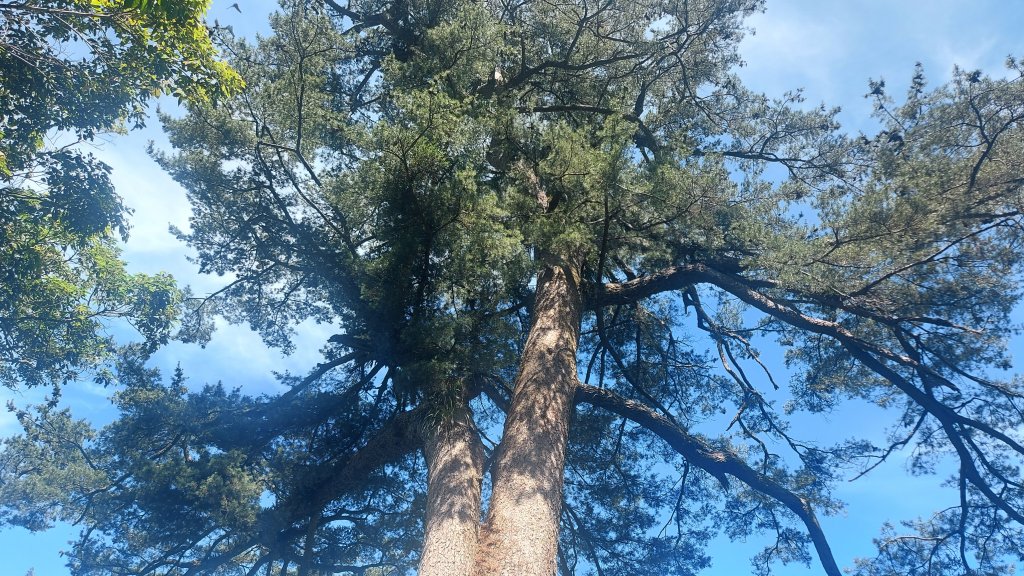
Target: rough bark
(455,462)
(520,536)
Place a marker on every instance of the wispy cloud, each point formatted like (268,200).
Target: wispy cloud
(237,357)
(831,49)
(156,200)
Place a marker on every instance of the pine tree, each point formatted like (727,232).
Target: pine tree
(524,217)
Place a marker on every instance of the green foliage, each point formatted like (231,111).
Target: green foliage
(405,170)
(55,296)
(210,464)
(69,70)
(158,459)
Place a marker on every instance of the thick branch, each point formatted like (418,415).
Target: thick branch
(718,463)
(520,535)
(455,468)
(671,278)
(398,438)
(871,355)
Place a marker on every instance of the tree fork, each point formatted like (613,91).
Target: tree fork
(520,535)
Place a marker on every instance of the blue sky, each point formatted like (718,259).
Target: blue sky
(830,48)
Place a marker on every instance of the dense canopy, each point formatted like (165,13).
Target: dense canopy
(528,220)
(71,70)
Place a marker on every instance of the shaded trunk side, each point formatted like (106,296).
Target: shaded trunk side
(520,536)
(455,462)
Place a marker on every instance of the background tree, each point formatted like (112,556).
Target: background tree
(523,217)
(69,71)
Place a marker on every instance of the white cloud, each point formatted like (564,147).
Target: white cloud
(156,199)
(237,356)
(790,48)
(832,48)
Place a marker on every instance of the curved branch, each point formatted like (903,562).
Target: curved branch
(872,356)
(400,436)
(632,291)
(665,280)
(718,463)
(681,276)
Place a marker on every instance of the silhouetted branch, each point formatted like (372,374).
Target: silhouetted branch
(716,462)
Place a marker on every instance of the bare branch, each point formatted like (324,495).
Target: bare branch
(718,463)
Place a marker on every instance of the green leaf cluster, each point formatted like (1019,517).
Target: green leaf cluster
(70,70)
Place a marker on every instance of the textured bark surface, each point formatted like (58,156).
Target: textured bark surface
(455,462)
(520,536)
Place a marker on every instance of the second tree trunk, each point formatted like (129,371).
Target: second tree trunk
(520,535)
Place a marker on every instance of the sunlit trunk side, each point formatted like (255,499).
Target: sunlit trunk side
(455,462)
(520,535)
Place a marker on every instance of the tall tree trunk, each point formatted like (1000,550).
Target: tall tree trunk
(455,463)
(520,536)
